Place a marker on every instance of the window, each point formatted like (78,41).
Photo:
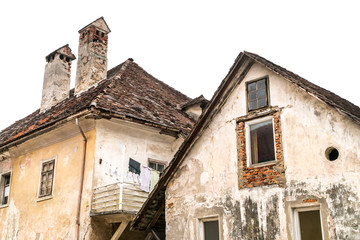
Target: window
(209,229)
(134,166)
(157,166)
(260,141)
(5,188)
(308,224)
(47,178)
(257,94)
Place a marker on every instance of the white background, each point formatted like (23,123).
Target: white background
(189,45)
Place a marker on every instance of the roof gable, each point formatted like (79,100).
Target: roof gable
(99,23)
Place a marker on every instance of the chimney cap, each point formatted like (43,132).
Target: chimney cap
(64,50)
(99,23)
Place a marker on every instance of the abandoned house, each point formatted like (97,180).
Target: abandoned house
(82,165)
(125,156)
(272,156)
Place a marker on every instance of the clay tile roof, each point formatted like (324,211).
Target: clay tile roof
(129,91)
(200,99)
(328,97)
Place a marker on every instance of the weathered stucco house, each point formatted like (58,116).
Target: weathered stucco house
(70,169)
(273,156)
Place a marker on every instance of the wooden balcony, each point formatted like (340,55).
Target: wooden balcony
(125,197)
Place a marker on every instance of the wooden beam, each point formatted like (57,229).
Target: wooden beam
(120,230)
(155,235)
(148,236)
(156,217)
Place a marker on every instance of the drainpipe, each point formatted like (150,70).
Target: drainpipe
(81,181)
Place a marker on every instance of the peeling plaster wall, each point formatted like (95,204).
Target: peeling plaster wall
(118,141)
(28,218)
(206,183)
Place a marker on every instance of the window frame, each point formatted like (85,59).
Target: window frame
(2,188)
(296,220)
(267,93)
(50,196)
(201,229)
(151,160)
(248,141)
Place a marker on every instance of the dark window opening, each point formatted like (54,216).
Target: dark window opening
(61,56)
(97,32)
(211,230)
(310,225)
(257,96)
(47,177)
(67,59)
(102,34)
(5,188)
(157,166)
(262,142)
(134,166)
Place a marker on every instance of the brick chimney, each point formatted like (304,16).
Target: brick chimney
(56,84)
(92,56)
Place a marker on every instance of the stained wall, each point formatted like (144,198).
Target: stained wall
(29,217)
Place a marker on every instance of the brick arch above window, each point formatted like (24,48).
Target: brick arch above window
(256,174)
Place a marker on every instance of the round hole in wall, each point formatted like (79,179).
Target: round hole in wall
(67,59)
(331,153)
(61,56)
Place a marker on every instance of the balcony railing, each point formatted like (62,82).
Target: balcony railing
(123,196)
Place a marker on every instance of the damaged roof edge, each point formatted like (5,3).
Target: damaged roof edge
(87,113)
(41,130)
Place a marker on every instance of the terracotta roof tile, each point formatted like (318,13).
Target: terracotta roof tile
(129,91)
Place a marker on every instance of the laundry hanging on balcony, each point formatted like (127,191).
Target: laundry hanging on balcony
(145,178)
(154,178)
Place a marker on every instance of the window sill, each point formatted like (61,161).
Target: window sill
(273,162)
(40,199)
(4,206)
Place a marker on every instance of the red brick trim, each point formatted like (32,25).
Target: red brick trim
(272,174)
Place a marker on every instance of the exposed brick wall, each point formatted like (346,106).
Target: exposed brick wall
(260,175)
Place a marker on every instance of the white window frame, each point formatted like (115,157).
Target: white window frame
(296,223)
(201,221)
(2,189)
(42,198)
(248,141)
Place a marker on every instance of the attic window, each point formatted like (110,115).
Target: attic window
(97,32)
(102,34)
(257,94)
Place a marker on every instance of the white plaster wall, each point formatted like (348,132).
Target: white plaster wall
(118,141)
(207,182)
